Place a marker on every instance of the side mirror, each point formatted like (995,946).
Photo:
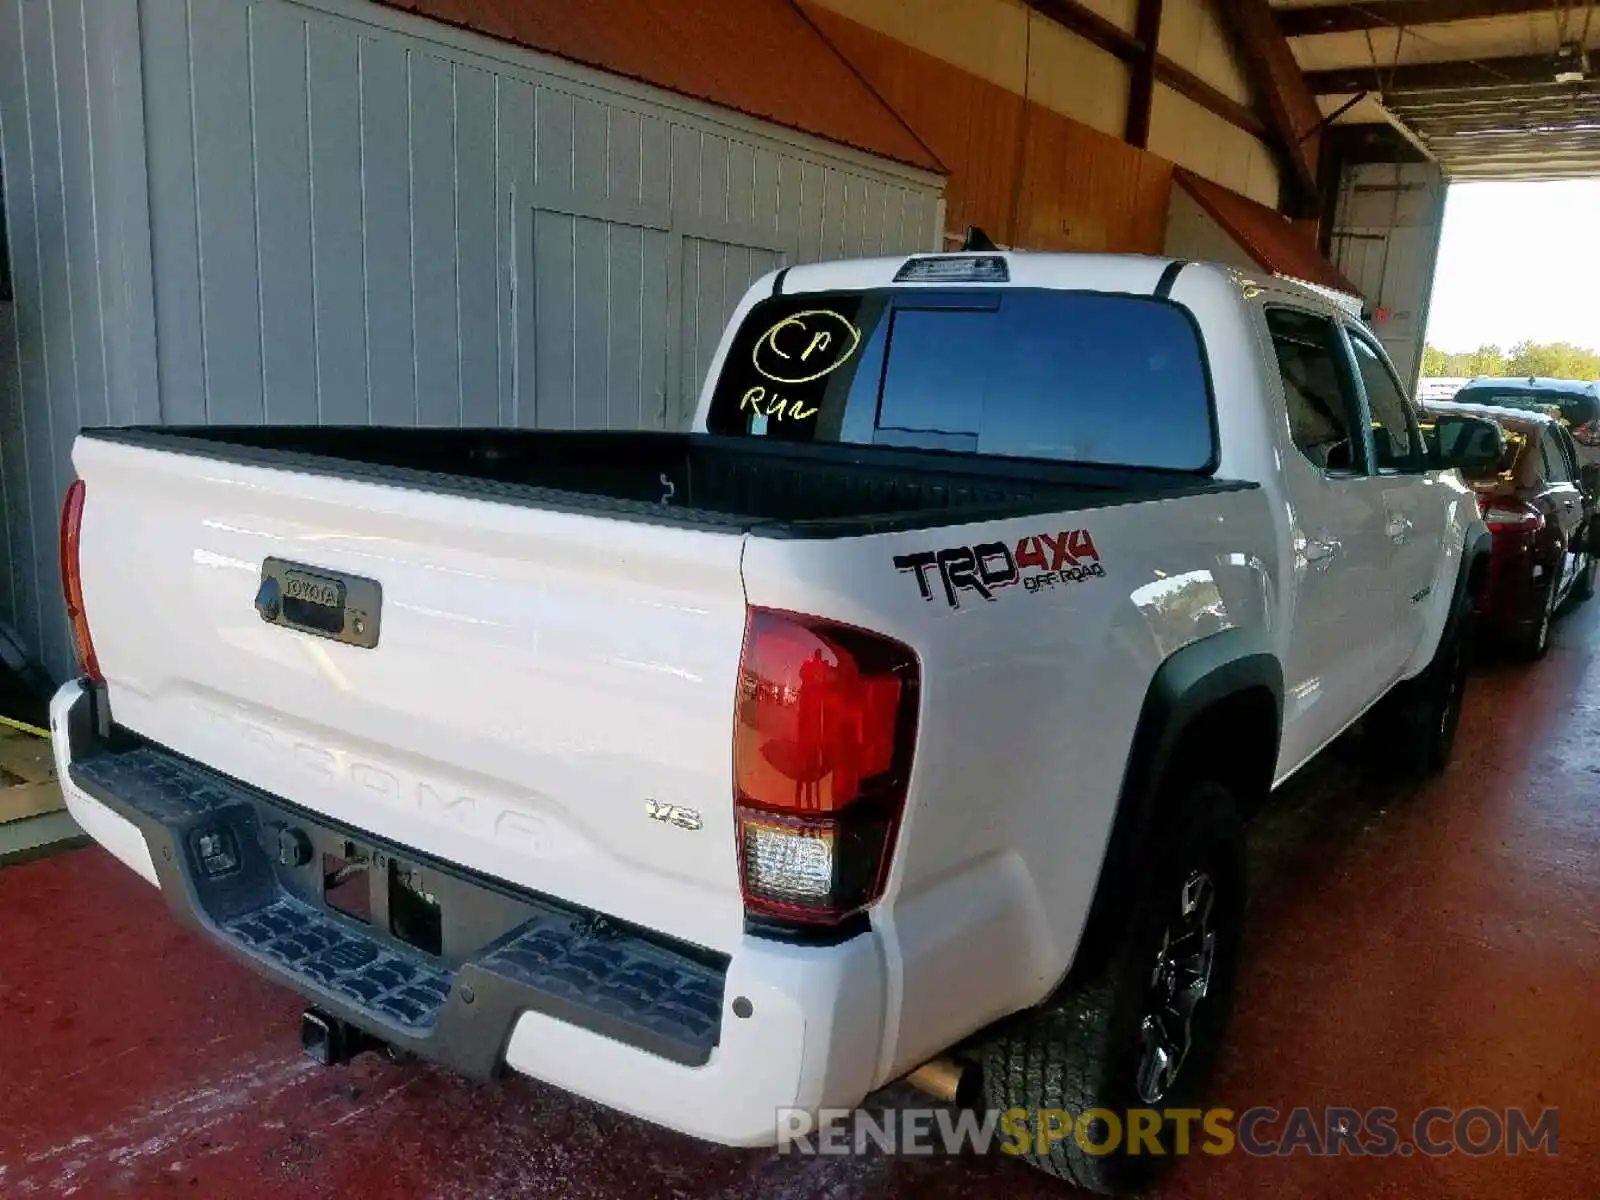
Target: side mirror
(1472,445)
(1589,479)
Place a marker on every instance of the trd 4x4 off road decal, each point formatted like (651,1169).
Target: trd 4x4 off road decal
(1065,557)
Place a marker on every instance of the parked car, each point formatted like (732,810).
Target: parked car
(904,714)
(1576,402)
(1439,387)
(1540,506)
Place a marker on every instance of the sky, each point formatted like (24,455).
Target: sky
(1518,261)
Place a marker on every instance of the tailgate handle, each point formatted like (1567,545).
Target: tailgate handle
(330,604)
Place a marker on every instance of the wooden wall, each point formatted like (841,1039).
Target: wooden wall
(1028,175)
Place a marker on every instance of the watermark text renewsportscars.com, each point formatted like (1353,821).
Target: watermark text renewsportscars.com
(1261,1132)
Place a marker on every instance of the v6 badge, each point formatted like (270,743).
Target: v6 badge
(673,814)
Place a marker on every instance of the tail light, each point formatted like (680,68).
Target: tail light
(1510,516)
(72,581)
(824,728)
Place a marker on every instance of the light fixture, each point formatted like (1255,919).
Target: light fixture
(954,268)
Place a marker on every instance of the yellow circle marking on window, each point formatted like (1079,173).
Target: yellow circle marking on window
(820,337)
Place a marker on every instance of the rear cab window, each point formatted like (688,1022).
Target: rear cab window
(1082,377)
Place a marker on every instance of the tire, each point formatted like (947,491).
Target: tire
(1415,730)
(1583,586)
(1535,643)
(1094,1044)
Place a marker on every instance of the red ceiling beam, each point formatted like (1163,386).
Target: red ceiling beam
(1130,49)
(1090,26)
(1187,83)
(1354,18)
(1142,74)
(1291,106)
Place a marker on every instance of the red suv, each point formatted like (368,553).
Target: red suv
(1540,506)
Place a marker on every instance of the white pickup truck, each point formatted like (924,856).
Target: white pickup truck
(905,711)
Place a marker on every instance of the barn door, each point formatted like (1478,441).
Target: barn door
(622,310)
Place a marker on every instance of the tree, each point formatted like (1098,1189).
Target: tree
(1485,360)
(1556,360)
(1550,360)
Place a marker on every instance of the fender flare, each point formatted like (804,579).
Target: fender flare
(1185,686)
(1477,546)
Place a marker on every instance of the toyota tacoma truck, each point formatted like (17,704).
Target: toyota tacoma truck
(903,712)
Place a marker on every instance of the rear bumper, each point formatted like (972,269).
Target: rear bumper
(1513,600)
(619,1015)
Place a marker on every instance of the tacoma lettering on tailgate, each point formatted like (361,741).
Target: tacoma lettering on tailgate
(1037,562)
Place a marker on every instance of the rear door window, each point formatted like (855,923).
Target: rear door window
(1073,376)
(1323,412)
(1557,467)
(1396,440)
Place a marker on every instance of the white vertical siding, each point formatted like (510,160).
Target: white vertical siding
(309,156)
(281,133)
(334,82)
(15,535)
(78,341)
(327,211)
(1386,241)
(217,60)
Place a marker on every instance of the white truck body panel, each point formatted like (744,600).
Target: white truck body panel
(542,675)
(539,675)
(972,883)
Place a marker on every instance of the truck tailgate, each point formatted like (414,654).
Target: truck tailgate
(543,683)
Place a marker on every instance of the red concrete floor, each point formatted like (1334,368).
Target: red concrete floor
(1407,948)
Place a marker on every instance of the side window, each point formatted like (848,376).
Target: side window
(1556,467)
(1316,390)
(1569,453)
(1395,440)
(1578,410)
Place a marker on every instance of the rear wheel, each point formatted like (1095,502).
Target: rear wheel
(1136,1035)
(1417,721)
(1535,643)
(1583,586)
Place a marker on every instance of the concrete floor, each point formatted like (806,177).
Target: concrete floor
(1407,948)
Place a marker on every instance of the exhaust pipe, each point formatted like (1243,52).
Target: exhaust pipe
(331,1042)
(948,1080)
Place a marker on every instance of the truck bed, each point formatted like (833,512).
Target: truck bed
(773,488)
